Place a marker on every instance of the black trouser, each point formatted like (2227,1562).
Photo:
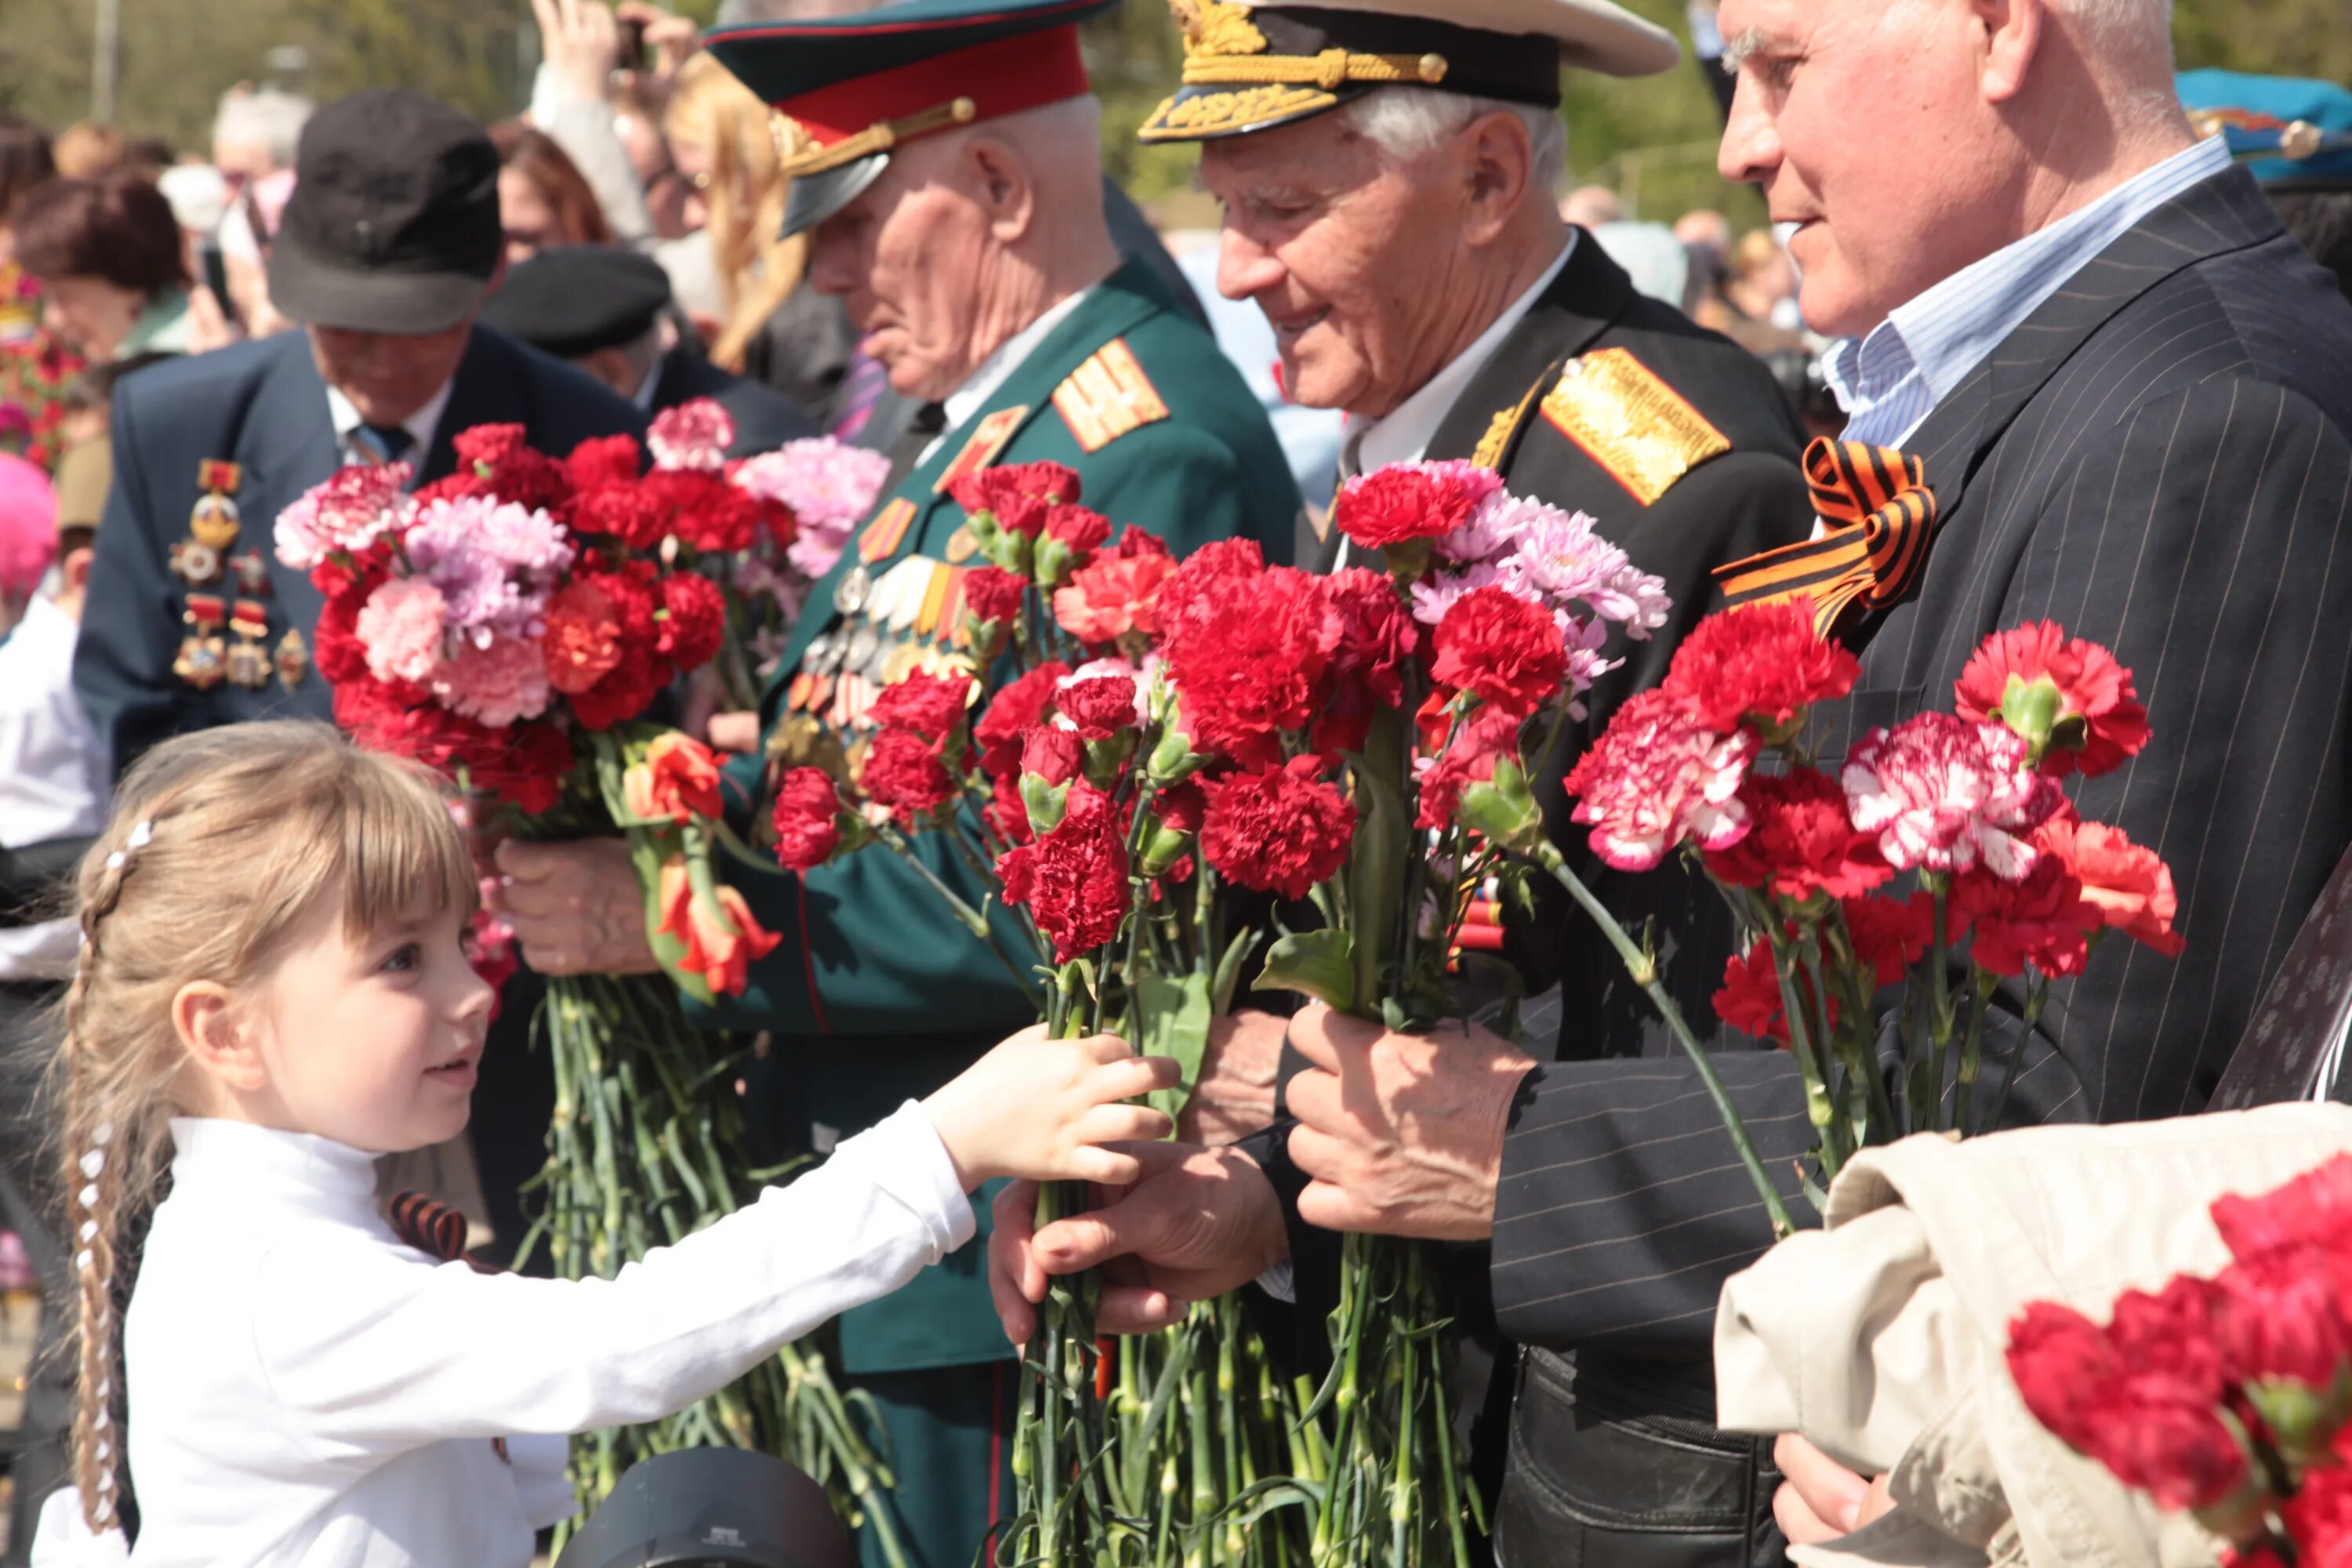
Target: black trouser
(1616,1463)
(38,1460)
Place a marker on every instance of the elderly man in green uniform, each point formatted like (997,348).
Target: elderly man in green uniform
(1353,144)
(946,161)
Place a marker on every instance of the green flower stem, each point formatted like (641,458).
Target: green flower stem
(1940,1016)
(1819,1111)
(1971,1050)
(1645,974)
(2034,1000)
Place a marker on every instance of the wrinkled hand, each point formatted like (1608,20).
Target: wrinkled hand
(576,908)
(1820,1499)
(1235,1095)
(1401,1133)
(582,44)
(1200,1222)
(738,732)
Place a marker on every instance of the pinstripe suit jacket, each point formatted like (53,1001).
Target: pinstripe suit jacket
(2160,459)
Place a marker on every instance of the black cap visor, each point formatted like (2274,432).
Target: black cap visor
(319,293)
(817,197)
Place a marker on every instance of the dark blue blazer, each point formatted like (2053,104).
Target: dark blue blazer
(2160,459)
(263,406)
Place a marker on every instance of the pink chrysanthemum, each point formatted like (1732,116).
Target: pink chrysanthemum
(694,434)
(499,682)
(1943,794)
(494,563)
(1557,555)
(1655,780)
(403,630)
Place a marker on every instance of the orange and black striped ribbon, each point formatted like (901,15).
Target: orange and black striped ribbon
(1881,517)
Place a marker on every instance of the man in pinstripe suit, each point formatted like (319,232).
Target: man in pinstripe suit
(2132,394)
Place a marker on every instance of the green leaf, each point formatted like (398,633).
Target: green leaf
(1172,1017)
(1321,963)
(1375,859)
(1228,971)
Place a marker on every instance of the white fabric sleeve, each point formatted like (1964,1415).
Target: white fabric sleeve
(585,132)
(63,1539)
(365,1345)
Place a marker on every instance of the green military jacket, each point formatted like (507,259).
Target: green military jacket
(875,995)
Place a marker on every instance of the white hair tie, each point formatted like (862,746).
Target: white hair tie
(142,835)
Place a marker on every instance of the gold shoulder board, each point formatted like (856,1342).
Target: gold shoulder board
(1106,397)
(1631,423)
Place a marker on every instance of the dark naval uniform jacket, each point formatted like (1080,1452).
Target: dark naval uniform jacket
(261,407)
(876,993)
(2159,460)
(764,418)
(1686,453)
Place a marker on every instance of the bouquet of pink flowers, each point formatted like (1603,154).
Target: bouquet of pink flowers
(2229,1397)
(828,488)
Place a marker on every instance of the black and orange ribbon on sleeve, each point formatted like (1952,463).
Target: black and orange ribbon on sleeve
(1881,517)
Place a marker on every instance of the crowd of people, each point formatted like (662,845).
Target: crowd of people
(2079,289)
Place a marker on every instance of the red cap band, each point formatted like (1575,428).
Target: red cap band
(1006,76)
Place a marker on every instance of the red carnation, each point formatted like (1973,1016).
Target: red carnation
(2044,921)
(1180,807)
(1489,737)
(1082,531)
(1762,663)
(2089,714)
(904,775)
(991,594)
(1074,880)
(2279,1318)
(703,510)
(693,620)
(2315,1210)
(1890,935)
(808,819)
(490,445)
(1278,830)
(1377,635)
(1018,495)
(1019,703)
(1249,658)
(1749,998)
(1799,841)
(1502,648)
(1053,755)
(2131,886)
(627,513)
(1100,706)
(1103,602)
(1408,502)
(928,705)
(583,638)
(1136,544)
(2319,1516)
(605,460)
(514,472)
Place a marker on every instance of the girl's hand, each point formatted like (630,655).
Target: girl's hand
(1040,1109)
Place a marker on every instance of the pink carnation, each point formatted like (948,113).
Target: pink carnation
(694,434)
(344,513)
(402,629)
(499,682)
(829,486)
(1655,781)
(494,561)
(1943,794)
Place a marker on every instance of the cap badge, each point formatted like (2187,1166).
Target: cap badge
(1217,28)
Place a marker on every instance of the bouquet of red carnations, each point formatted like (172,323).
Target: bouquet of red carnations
(511,625)
(2230,1397)
(1943,858)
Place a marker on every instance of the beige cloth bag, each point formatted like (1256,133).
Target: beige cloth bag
(1880,1337)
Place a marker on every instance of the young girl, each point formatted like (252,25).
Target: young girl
(270,994)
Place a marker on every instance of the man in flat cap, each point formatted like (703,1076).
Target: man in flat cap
(606,310)
(946,164)
(1387,178)
(2294,137)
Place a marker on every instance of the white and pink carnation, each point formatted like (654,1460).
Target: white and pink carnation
(694,434)
(403,630)
(1943,794)
(345,513)
(497,681)
(1655,781)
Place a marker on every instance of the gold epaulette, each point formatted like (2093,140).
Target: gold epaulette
(1106,397)
(1631,423)
(1496,441)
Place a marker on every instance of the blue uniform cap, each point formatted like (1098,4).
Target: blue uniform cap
(2291,133)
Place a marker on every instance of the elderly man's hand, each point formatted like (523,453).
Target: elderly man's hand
(1401,1133)
(1200,1222)
(577,908)
(1235,1095)
(1820,1499)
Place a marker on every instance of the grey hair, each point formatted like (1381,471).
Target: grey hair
(1405,122)
(266,116)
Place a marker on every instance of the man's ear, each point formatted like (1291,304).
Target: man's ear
(204,1015)
(1499,166)
(1002,183)
(2011,37)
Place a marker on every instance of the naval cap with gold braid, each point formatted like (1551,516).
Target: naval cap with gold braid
(1251,66)
(848,91)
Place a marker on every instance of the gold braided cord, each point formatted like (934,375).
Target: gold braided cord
(797,153)
(1220,114)
(1330,70)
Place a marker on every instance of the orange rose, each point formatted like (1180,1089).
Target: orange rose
(678,781)
(2131,886)
(720,937)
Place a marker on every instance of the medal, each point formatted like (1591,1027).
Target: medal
(962,547)
(252,574)
(203,656)
(248,663)
(864,643)
(849,594)
(881,539)
(293,660)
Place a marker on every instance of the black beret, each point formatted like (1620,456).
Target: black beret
(578,299)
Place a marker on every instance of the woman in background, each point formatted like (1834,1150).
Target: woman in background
(107,255)
(544,200)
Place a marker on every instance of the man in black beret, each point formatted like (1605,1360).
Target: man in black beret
(607,312)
